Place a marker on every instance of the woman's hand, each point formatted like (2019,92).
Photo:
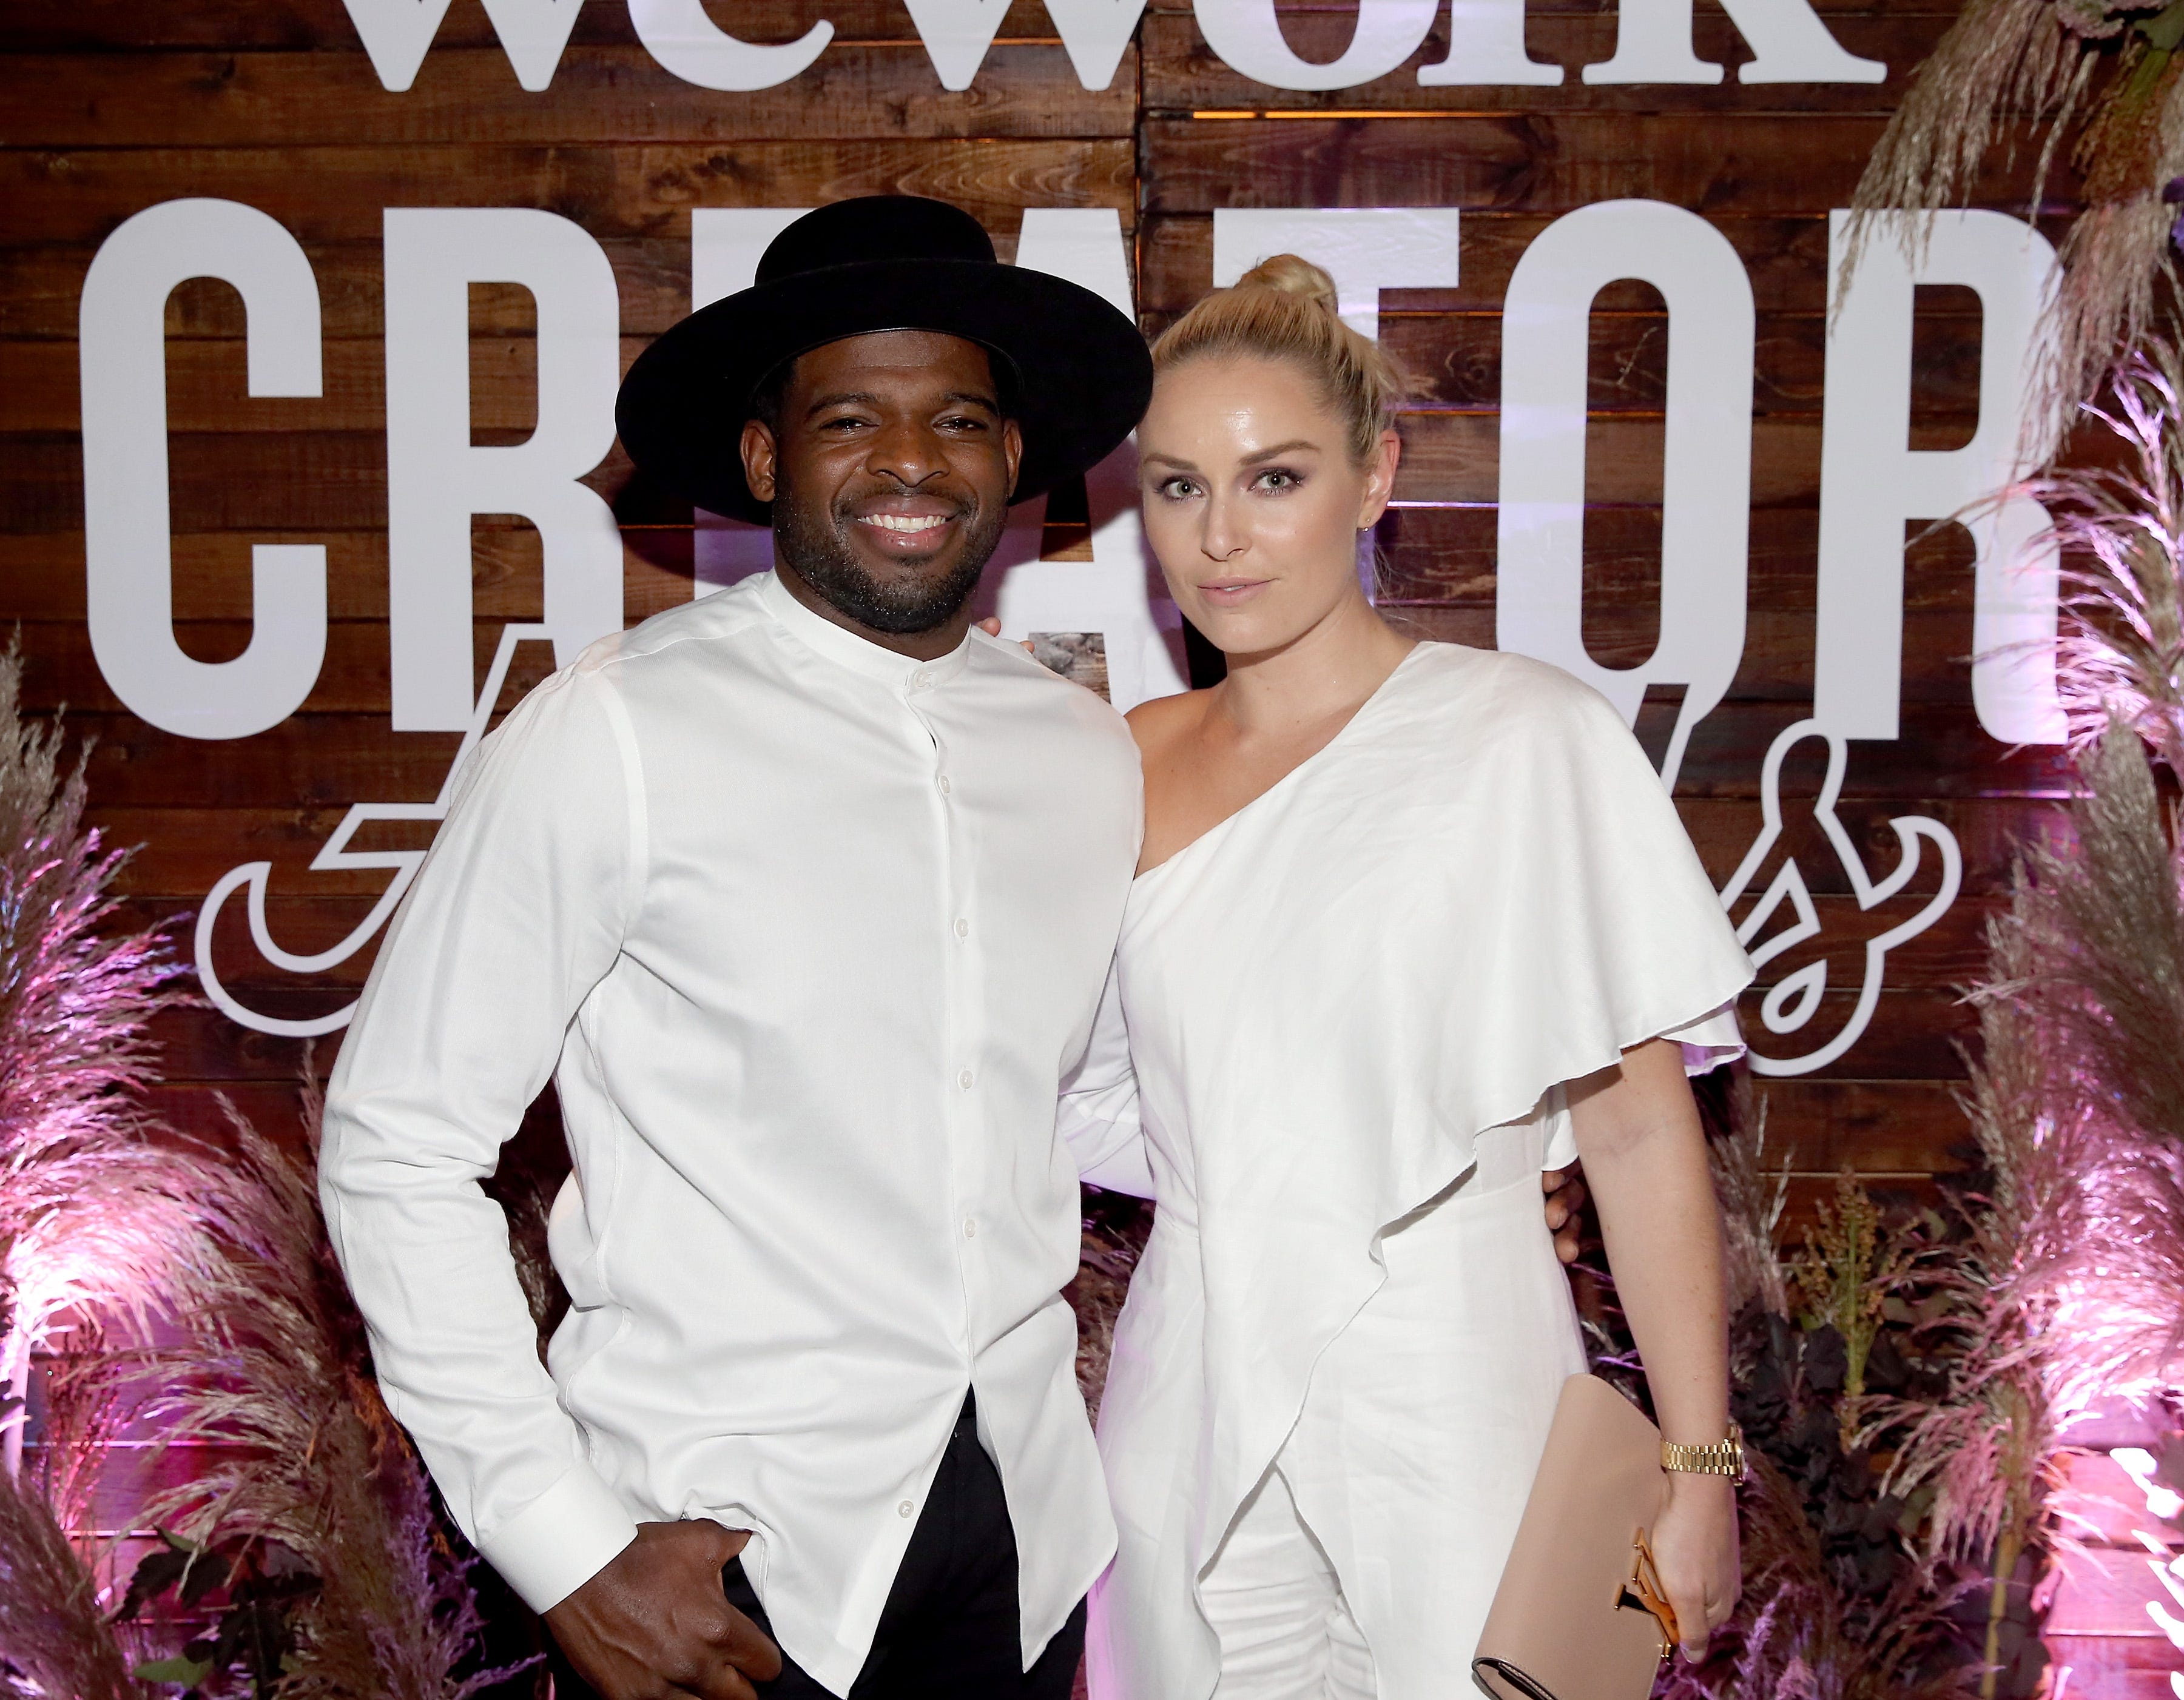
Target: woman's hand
(1694,1551)
(1646,1159)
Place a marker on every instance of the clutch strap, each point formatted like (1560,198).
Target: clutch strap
(1482,1667)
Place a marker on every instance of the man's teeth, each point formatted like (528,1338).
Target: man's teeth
(903,522)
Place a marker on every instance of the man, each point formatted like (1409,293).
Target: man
(804,895)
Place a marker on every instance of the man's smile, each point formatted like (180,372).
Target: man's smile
(906,526)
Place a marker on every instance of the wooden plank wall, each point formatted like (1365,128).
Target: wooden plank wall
(114,105)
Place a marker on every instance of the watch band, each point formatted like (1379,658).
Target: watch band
(1721,1458)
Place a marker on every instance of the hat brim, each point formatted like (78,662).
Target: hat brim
(1083,373)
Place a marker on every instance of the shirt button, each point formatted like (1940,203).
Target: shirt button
(905,1508)
(970,1227)
(924,682)
(963,930)
(945,787)
(964,1080)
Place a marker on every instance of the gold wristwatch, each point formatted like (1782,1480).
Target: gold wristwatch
(1722,1458)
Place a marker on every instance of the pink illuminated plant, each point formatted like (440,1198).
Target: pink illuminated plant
(93,1210)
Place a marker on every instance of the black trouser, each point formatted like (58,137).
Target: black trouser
(949,1630)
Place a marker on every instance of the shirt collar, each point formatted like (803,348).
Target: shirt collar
(839,644)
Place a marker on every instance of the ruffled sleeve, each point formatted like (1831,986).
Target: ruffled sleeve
(1585,920)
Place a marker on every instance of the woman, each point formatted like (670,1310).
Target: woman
(1412,922)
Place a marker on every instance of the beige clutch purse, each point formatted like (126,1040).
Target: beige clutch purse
(1579,1615)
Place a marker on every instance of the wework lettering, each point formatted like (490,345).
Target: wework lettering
(1486,42)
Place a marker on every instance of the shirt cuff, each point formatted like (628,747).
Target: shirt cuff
(561,1540)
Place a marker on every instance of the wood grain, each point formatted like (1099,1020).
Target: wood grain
(352,679)
(1455,457)
(1940,752)
(1455,359)
(39,289)
(1785,255)
(1989,831)
(206,390)
(600,94)
(1885,1127)
(204,1045)
(338,194)
(1528,162)
(1446,555)
(41,577)
(1913,1036)
(1778,647)
(1951,954)
(182,852)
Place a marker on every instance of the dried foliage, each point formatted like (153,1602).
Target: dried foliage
(94,1210)
(1854,1260)
(2068,1284)
(2121,530)
(2051,65)
(1987,1454)
(1116,1227)
(1802,1635)
(55,1639)
(1751,1199)
(273,1373)
(2088,977)
(1841,1601)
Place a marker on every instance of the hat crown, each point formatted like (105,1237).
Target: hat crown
(875,227)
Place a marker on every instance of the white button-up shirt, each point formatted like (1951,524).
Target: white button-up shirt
(806,933)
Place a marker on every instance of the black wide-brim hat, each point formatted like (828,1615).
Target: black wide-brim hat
(1075,373)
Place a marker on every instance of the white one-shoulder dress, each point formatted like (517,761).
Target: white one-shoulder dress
(1350,1008)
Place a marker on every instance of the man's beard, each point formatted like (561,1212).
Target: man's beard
(817,545)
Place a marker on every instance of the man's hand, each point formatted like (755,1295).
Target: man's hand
(1565,1206)
(655,1621)
(991,625)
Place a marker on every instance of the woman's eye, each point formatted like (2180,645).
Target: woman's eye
(1275,478)
(1177,489)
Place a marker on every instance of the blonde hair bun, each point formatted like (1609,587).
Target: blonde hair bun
(1293,274)
(1285,308)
